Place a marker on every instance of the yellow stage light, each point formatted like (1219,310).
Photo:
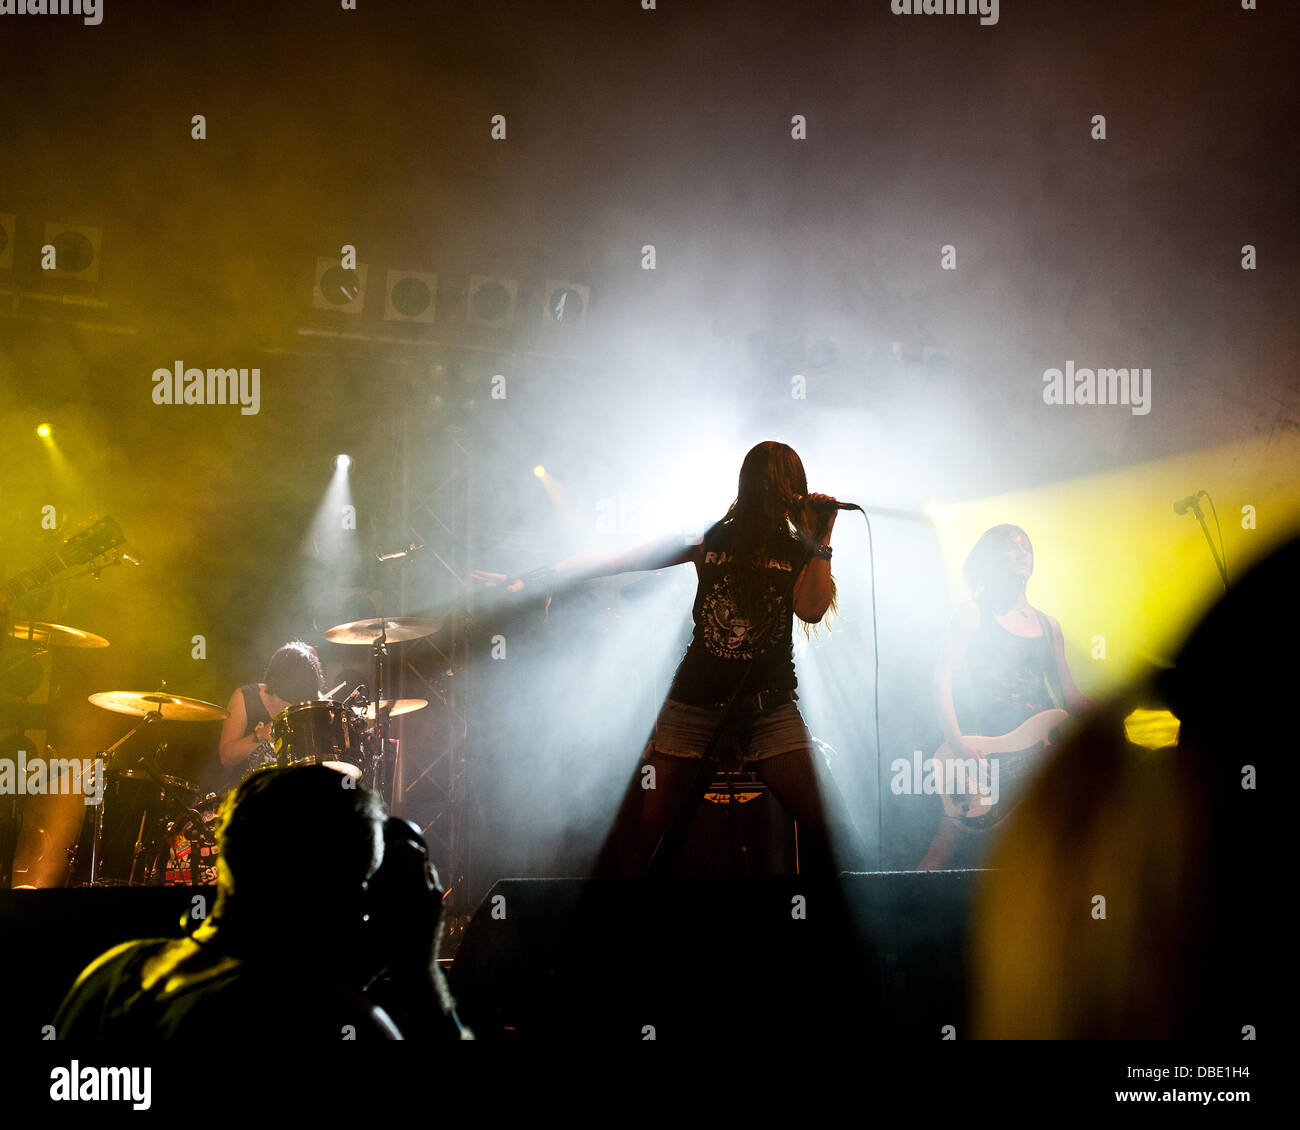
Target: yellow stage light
(1152,729)
(43,431)
(1127,576)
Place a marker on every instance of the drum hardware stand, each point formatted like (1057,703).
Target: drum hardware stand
(24,658)
(10,828)
(137,850)
(380,651)
(11,825)
(177,805)
(362,695)
(97,841)
(377,748)
(149,707)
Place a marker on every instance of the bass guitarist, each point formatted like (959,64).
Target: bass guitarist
(1005,664)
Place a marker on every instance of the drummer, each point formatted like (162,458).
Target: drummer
(294,675)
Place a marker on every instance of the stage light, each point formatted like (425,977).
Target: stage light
(43,431)
(566,303)
(410,296)
(1152,729)
(338,288)
(491,301)
(1113,562)
(343,462)
(76,252)
(8,222)
(539,471)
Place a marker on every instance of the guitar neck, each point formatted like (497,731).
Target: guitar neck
(36,577)
(85,546)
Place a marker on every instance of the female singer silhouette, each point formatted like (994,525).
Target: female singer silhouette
(767,560)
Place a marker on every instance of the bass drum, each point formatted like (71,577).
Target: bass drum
(121,835)
(320,733)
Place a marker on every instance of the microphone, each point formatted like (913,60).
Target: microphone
(1189,503)
(829,505)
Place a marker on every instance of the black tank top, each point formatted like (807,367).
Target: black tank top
(729,646)
(253,708)
(256,714)
(1009,678)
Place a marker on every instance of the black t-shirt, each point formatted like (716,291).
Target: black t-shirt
(730,644)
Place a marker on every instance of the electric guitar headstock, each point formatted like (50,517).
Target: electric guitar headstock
(92,542)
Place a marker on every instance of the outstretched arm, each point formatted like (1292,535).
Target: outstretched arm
(660,554)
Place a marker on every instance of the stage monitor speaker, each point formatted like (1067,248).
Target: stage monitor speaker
(762,962)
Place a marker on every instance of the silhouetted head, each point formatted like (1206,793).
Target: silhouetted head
(297,848)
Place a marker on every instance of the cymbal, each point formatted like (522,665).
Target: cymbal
(399,706)
(173,708)
(395,629)
(56,634)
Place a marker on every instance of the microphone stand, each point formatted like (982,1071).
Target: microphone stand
(380,655)
(1219,563)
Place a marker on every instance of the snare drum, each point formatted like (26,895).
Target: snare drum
(319,733)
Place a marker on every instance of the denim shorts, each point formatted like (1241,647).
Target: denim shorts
(686,731)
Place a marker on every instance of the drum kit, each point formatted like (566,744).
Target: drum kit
(152,829)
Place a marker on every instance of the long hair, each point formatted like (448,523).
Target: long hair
(294,673)
(771,478)
(982,563)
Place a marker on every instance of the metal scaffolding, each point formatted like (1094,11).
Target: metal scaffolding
(431,779)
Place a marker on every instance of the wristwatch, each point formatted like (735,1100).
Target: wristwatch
(822,551)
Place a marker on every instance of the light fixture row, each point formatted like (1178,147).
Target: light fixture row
(411,296)
(67,251)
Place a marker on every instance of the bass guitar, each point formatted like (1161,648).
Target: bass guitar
(1014,756)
